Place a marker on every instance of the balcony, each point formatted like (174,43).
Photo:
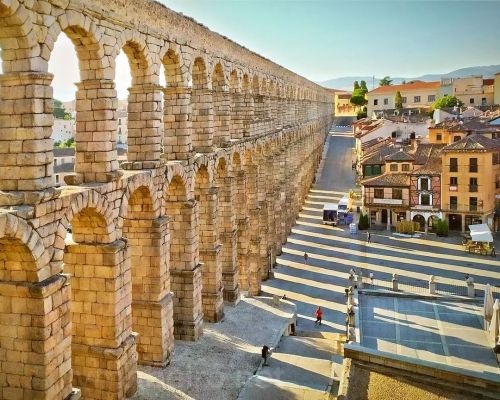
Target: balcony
(473,168)
(472,188)
(453,188)
(392,202)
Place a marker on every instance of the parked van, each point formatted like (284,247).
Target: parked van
(330,214)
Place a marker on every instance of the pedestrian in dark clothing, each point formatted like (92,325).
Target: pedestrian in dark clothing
(319,316)
(265,353)
(305,257)
(368,237)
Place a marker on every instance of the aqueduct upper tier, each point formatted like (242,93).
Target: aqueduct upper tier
(105,272)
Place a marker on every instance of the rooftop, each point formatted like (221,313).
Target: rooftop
(414,85)
(474,142)
(400,155)
(388,180)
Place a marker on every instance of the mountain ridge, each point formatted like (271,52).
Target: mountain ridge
(345,82)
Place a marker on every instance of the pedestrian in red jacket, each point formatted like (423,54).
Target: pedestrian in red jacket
(319,316)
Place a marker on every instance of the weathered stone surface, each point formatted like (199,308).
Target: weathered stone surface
(214,177)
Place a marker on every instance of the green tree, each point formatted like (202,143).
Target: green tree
(363,86)
(399,100)
(447,102)
(356,85)
(385,81)
(59,110)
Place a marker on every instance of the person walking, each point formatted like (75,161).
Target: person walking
(319,316)
(368,237)
(305,258)
(265,353)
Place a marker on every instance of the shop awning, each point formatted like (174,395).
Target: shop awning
(480,233)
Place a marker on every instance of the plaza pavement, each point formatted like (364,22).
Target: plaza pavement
(333,251)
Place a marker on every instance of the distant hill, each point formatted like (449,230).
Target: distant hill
(345,83)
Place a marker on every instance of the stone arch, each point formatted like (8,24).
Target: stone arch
(202,109)
(172,61)
(221,106)
(140,60)
(421,221)
(91,219)
(17,36)
(23,257)
(144,181)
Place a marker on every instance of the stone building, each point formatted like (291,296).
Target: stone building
(215,175)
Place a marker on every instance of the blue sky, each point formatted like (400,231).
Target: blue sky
(323,39)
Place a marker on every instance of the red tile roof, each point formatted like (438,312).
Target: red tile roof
(415,85)
(488,82)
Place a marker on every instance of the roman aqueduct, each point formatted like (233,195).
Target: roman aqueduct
(216,172)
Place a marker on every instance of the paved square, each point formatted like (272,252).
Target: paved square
(442,331)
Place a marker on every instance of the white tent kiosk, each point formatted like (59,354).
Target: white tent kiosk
(480,233)
(330,214)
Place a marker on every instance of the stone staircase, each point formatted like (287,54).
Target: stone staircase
(305,366)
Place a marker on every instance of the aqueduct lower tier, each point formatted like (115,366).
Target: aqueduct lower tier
(219,162)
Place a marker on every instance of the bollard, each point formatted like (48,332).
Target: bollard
(395,282)
(359,280)
(471,291)
(432,284)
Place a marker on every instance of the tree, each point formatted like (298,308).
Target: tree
(358,97)
(363,86)
(356,85)
(59,110)
(399,100)
(447,102)
(385,81)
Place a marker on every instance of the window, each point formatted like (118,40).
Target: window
(403,99)
(472,164)
(386,101)
(453,203)
(453,165)
(416,99)
(431,98)
(424,183)
(471,100)
(473,185)
(397,194)
(456,138)
(405,167)
(483,101)
(378,193)
(425,199)
(119,121)
(473,203)
(453,180)
(394,167)
(496,158)
(439,137)
(368,170)
(376,170)
(119,130)
(375,102)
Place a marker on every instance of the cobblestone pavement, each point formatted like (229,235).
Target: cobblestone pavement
(333,251)
(218,365)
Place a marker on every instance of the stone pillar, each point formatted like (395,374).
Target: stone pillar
(104,348)
(26,121)
(271,212)
(283,190)
(389,217)
(227,233)
(152,306)
(96,123)
(241,211)
(186,278)
(177,141)
(237,115)
(210,257)
(222,117)
(35,336)
(263,220)
(144,125)
(203,121)
(248,121)
(253,264)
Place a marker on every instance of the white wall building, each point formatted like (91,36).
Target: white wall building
(63,129)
